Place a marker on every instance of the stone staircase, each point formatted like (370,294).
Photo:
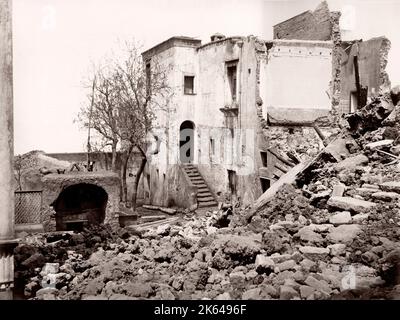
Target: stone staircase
(204,195)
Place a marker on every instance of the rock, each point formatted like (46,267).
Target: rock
(391,186)
(163,230)
(377,144)
(337,249)
(286,265)
(272,242)
(360,217)
(264,264)
(370,186)
(314,252)
(321,227)
(252,294)
(251,275)
(48,268)
(352,162)
(268,290)
(365,192)
(306,291)
(34,261)
(319,285)
(343,217)
(350,204)
(138,289)
(47,294)
(302,220)
(308,265)
(385,195)
(165,294)
(344,233)
(287,293)
(237,279)
(338,190)
(178,283)
(224,296)
(307,234)
(278,258)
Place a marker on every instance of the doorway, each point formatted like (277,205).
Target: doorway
(186,142)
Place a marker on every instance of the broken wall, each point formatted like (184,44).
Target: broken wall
(295,79)
(309,25)
(372,58)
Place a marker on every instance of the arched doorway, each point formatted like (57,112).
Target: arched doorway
(186,142)
(80,205)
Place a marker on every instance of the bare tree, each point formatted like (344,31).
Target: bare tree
(143,90)
(101,113)
(125,96)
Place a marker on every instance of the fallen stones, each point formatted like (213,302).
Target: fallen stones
(306,291)
(337,249)
(34,261)
(360,217)
(391,186)
(344,233)
(307,234)
(352,162)
(286,265)
(338,190)
(319,285)
(287,293)
(340,218)
(377,144)
(385,196)
(252,294)
(314,252)
(350,204)
(264,264)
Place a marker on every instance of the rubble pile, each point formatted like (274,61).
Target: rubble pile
(332,234)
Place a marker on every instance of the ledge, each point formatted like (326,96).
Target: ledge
(230,112)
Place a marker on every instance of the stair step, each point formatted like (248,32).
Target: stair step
(199,183)
(197,178)
(194,175)
(205,199)
(204,194)
(207,204)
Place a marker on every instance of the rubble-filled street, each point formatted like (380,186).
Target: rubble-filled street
(332,234)
(252,157)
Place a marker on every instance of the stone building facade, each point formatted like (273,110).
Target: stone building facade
(231,96)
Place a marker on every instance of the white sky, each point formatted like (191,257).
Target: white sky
(55,42)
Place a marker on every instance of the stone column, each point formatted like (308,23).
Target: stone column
(7,241)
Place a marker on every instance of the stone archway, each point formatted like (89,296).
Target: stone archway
(79,205)
(186,142)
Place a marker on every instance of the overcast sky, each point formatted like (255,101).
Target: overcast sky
(55,42)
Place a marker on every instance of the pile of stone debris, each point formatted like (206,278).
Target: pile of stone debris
(331,234)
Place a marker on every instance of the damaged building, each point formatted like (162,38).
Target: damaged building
(245,110)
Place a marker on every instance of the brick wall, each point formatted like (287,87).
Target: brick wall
(310,25)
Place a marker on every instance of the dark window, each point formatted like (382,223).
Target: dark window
(189,84)
(232,75)
(265,184)
(232,181)
(212,146)
(264,158)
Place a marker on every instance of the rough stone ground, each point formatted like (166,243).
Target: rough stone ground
(334,235)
